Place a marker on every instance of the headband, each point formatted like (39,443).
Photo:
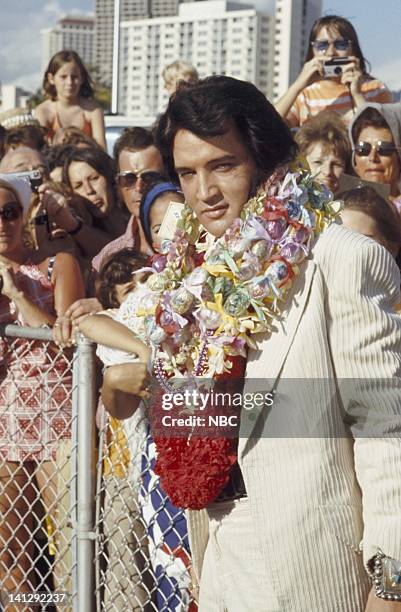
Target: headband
(147,202)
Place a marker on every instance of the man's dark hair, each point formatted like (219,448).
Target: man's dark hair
(383,212)
(56,155)
(133,139)
(207,109)
(32,136)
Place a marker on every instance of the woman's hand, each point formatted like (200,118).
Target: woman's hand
(352,76)
(8,287)
(58,208)
(63,331)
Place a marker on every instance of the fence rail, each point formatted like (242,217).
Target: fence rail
(82,511)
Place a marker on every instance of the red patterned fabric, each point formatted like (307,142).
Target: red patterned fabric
(35,387)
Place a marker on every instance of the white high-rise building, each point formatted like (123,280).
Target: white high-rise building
(216,36)
(293,21)
(73,32)
(129,9)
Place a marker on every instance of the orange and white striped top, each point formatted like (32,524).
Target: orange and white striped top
(328,94)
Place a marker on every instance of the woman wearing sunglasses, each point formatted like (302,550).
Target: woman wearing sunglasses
(35,393)
(315,90)
(375,134)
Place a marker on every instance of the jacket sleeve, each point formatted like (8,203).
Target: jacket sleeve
(365,338)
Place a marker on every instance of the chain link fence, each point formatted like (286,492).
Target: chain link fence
(82,513)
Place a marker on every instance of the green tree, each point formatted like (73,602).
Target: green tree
(36,98)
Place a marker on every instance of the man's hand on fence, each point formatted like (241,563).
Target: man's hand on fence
(65,327)
(123,388)
(81,308)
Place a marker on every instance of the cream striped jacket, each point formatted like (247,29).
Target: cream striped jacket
(322,466)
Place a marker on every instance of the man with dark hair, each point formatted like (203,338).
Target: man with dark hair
(23,159)
(139,163)
(32,136)
(318,470)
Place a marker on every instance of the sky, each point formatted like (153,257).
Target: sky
(377,24)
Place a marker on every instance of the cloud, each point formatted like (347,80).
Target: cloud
(53,8)
(30,81)
(21,23)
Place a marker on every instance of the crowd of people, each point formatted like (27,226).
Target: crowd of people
(257,522)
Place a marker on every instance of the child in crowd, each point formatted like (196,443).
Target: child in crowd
(69,89)
(176,73)
(366,212)
(318,87)
(324,142)
(165,524)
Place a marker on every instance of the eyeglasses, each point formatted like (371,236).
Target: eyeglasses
(128,180)
(11,212)
(341,44)
(386,149)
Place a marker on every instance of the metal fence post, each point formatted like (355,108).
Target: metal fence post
(86,474)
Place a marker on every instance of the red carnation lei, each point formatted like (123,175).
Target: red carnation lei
(193,471)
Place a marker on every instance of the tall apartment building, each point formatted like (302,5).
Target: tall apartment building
(216,36)
(294,19)
(71,32)
(129,10)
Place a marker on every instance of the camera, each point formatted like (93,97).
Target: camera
(334,67)
(34,176)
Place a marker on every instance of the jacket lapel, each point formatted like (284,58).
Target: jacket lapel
(266,363)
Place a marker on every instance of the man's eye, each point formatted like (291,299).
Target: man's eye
(223,166)
(186,173)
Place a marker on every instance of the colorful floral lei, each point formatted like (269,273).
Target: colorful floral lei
(210,296)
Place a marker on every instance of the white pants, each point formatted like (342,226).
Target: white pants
(234,575)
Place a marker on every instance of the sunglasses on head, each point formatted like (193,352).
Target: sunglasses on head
(341,44)
(11,212)
(128,180)
(363,149)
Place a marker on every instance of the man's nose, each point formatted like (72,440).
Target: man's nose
(140,185)
(206,191)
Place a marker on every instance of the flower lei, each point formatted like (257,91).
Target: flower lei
(209,296)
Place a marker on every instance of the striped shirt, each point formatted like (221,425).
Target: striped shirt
(328,94)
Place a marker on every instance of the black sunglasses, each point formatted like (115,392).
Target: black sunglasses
(11,212)
(382,147)
(341,44)
(128,180)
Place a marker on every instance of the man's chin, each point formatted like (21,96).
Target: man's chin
(218,227)
(133,209)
